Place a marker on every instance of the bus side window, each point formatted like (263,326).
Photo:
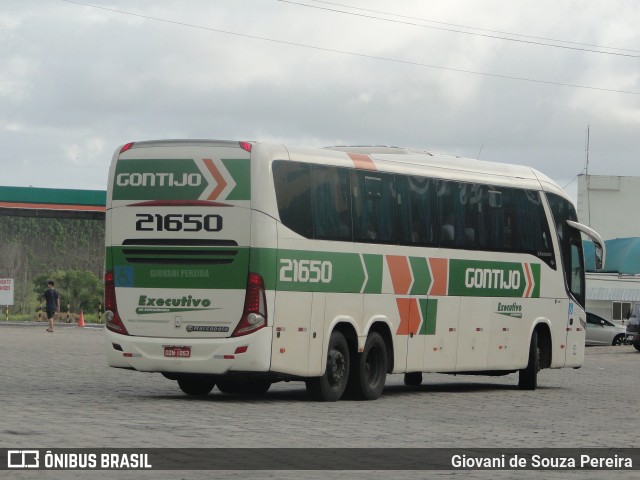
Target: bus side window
(569,240)
(474,213)
(374,207)
(331,203)
(491,221)
(577,270)
(532,230)
(446,213)
(456,204)
(417,210)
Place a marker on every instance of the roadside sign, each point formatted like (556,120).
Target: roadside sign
(6,291)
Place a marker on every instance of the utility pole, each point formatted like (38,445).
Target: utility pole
(586,171)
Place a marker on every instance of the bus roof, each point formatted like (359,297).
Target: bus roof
(402,160)
(457,166)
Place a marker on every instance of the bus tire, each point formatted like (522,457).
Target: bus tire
(330,386)
(244,387)
(369,370)
(528,377)
(196,386)
(413,379)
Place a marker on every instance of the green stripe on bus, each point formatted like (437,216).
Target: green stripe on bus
(303,271)
(429,309)
(240,171)
(535,271)
(179,271)
(374,266)
(311,271)
(474,278)
(421,276)
(265,262)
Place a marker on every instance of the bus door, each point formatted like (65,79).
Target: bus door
(570,245)
(576,317)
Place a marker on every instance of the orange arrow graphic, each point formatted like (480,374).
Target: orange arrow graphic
(527,293)
(400,274)
(218,178)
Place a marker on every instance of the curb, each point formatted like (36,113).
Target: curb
(46,325)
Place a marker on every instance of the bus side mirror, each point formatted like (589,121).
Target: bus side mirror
(598,254)
(595,238)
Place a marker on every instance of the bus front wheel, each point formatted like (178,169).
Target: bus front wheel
(528,377)
(330,386)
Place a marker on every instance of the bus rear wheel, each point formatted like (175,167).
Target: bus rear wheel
(196,386)
(528,377)
(369,370)
(330,386)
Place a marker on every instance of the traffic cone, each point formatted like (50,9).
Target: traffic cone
(81,319)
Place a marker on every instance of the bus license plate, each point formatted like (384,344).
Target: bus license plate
(177,352)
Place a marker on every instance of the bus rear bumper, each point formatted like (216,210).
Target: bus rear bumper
(218,356)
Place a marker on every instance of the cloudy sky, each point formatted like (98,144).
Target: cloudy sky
(510,81)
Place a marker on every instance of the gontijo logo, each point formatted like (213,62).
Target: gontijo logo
(182,179)
(159,179)
(492,278)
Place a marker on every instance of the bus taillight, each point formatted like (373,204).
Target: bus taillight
(127,146)
(254,316)
(114,323)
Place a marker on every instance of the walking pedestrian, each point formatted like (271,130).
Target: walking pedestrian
(53,303)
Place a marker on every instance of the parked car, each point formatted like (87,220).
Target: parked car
(633,332)
(603,332)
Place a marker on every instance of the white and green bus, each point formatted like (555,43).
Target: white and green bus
(240,264)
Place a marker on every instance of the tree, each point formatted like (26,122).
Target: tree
(81,289)
(30,246)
